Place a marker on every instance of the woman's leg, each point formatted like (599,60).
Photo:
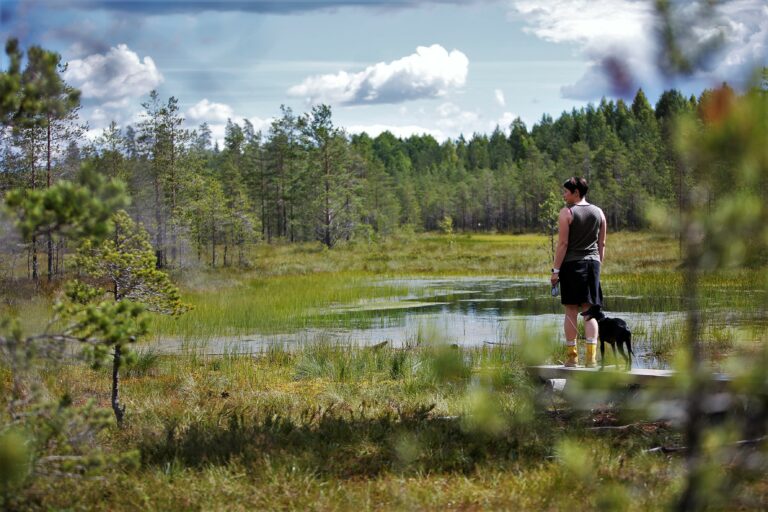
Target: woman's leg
(590,332)
(570,325)
(571,332)
(590,326)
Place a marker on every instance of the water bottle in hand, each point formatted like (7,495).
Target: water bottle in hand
(556,289)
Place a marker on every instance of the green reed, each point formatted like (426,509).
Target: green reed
(333,425)
(269,305)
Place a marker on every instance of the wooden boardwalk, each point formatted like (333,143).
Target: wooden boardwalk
(612,375)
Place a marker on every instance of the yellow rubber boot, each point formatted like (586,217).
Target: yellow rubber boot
(591,354)
(571,354)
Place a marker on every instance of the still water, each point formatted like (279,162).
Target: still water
(464,311)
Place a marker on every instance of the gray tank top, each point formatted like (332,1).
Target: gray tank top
(583,232)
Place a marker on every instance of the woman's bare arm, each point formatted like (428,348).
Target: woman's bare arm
(601,235)
(564,225)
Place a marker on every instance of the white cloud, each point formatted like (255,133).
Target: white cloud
(117,74)
(620,29)
(746,35)
(260,124)
(122,112)
(505,121)
(593,24)
(206,111)
(403,131)
(429,73)
(499,95)
(452,120)
(619,37)
(219,129)
(455,121)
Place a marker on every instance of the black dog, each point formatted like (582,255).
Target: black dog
(613,331)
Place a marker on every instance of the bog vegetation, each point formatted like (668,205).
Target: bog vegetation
(105,237)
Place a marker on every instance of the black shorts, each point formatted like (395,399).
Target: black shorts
(580,283)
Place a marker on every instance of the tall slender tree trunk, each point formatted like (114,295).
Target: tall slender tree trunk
(35,268)
(264,220)
(292,225)
(213,242)
(227,238)
(118,409)
(279,195)
(174,237)
(327,213)
(117,359)
(159,235)
(199,246)
(33,248)
(49,237)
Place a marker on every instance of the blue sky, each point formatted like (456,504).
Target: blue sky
(444,67)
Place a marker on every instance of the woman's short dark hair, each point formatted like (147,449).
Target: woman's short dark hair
(575,183)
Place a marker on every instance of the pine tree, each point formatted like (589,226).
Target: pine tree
(126,263)
(283,183)
(108,153)
(499,151)
(518,140)
(380,207)
(335,206)
(159,143)
(41,115)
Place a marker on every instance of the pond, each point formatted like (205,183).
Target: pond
(464,311)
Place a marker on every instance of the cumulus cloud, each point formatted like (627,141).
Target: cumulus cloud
(505,121)
(401,131)
(219,129)
(429,73)
(116,74)
(499,95)
(455,121)
(123,112)
(208,112)
(601,30)
(746,34)
(443,122)
(593,24)
(621,41)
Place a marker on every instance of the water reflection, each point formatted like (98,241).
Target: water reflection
(476,311)
(463,311)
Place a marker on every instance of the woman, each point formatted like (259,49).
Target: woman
(580,253)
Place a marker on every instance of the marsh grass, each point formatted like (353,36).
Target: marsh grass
(511,486)
(332,426)
(719,335)
(145,362)
(242,432)
(33,313)
(272,305)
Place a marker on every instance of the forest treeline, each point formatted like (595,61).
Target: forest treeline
(304,178)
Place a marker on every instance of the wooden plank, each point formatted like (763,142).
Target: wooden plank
(643,376)
(552,371)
